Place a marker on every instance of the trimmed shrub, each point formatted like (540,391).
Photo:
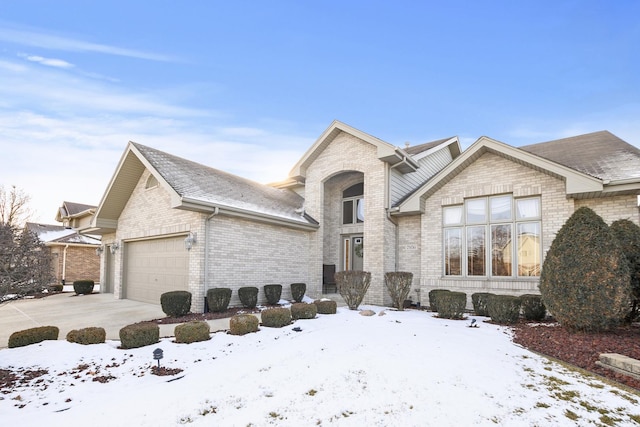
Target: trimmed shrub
(56,288)
(218,299)
(504,309)
(248,296)
(276,317)
(433,300)
(33,336)
(451,305)
(242,324)
(628,236)
(302,310)
(479,301)
(83,287)
(195,331)
(398,284)
(139,335)
(297,291)
(352,286)
(176,303)
(272,293)
(532,307)
(87,336)
(326,306)
(585,280)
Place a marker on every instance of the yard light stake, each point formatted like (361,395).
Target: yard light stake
(157,355)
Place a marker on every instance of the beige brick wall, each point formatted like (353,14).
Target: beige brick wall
(614,208)
(247,253)
(489,175)
(346,154)
(82,263)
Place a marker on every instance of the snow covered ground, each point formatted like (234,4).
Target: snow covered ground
(392,369)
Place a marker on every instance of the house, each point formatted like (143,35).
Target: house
(73,255)
(354,201)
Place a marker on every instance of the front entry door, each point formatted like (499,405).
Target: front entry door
(352,252)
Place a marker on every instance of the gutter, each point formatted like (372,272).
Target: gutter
(256,216)
(64,263)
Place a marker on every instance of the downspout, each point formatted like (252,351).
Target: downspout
(387,203)
(64,263)
(216,211)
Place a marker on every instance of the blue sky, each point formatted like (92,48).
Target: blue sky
(247,87)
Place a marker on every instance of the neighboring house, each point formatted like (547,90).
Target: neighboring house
(73,256)
(354,201)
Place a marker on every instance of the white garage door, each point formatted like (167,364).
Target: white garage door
(154,267)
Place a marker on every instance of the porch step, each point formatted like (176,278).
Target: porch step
(620,363)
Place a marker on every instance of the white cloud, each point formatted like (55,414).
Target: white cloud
(51,62)
(54,42)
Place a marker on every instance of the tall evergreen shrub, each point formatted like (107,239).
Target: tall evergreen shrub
(585,281)
(628,235)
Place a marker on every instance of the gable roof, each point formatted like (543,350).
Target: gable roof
(196,187)
(553,158)
(385,151)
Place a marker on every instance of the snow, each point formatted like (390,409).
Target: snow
(397,368)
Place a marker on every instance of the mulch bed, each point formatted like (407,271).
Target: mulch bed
(230,312)
(581,349)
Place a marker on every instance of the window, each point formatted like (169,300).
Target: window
(353,204)
(151,182)
(492,232)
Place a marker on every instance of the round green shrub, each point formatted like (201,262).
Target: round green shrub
(627,234)
(83,287)
(190,332)
(297,291)
(218,299)
(504,309)
(433,303)
(56,288)
(87,336)
(479,301)
(248,296)
(242,324)
(272,293)
(326,306)
(302,310)
(176,303)
(276,317)
(139,335)
(33,336)
(451,305)
(585,280)
(532,307)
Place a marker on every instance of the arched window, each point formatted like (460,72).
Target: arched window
(151,182)
(353,204)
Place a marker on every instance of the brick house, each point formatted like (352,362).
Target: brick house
(73,255)
(478,220)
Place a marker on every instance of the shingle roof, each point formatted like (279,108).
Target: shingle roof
(72,208)
(417,149)
(59,234)
(598,154)
(195,181)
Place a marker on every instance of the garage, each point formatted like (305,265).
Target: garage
(153,267)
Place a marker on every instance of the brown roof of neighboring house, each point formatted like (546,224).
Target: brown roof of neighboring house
(598,154)
(195,181)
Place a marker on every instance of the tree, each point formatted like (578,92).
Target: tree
(14,206)
(585,278)
(25,262)
(628,235)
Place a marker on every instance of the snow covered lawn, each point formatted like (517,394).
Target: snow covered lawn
(396,369)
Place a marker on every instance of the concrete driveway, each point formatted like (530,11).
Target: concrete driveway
(68,311)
